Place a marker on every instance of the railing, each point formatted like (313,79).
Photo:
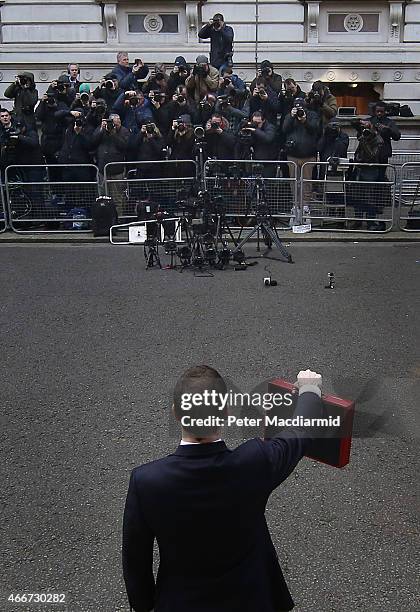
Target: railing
(409,197)
(348,197)
(51,198)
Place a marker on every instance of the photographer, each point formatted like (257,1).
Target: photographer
(321,101)
(268,78)
(203,80)
(178,76)
(134,110)
(291,91)
(128,78)
(388,131)
(368,198)
(62,90)
(161,111)
(73,72)
(233,107)
(229,83)
(108,90)
(181,105)
(82,100)
(98,111)
(181,138)
(221,41)
(257,140)
(264,100)
(25,97)
(205,109)
(110,142)
(301,131)
(334,142)
(220,140)
(76,150)
(148,145)
(51,114)
(19,145)
(157,81)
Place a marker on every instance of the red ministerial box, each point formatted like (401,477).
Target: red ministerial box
(334,447)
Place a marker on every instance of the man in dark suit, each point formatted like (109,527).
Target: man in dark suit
(205,506)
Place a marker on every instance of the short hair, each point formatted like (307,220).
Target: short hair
(257,113)
(219,16)
(290,80)
(112,115)
(5,110)
(380,104)
(121,54)
(199,379)
(73,64)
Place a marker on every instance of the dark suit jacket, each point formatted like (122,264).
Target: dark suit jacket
(205,506)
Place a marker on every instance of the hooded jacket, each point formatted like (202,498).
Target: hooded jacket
(221,43)
(25,100)
(198,87)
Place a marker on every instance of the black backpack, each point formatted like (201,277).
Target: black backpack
(104,215)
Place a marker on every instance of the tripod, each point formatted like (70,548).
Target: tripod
(151,253)
(264,223)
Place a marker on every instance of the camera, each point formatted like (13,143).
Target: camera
(61,87)
(137,61)
(181,98)
(150,128)
(227,81)
(109,84)
(84,97)
(78,122)
(216,23)
(23,80)
(265,71)
(199,132)
(315,98)
(131,99)
(214,125)
(200,70)
(300,112)
(51,100)
(110,124)
(15,130)
(159,76)
(180,126)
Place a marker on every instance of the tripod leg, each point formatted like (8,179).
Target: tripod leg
(245,240)
(276,240)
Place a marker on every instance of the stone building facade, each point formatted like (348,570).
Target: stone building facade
(365,46)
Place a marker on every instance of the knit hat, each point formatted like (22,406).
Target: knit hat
(180,61)
(84,88)
(202,59)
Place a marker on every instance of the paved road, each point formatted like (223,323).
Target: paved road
(91,346)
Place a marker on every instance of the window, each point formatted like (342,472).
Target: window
(353,22)
(153,23)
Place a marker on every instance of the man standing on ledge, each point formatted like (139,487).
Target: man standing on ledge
(221,41)
(205,506)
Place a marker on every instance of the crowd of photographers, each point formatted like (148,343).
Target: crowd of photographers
(137,113)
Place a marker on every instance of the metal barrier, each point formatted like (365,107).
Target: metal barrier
(51,198)
(162,183)
(242,185)
(345,196)
(406,145)
(409,197)
(3,213)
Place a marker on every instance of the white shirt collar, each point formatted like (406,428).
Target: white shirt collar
(184,443)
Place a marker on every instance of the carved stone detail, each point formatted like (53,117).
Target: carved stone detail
(110,17)
(395,21)
(313,22)
(191,11)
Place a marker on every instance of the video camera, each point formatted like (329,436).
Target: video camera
(158,96)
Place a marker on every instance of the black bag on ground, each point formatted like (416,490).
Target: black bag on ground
(104,215)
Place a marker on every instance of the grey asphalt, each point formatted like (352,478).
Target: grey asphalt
(91,345)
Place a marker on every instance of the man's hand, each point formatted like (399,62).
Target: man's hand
(75,114)
(309,381)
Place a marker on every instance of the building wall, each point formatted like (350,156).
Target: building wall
(44,36)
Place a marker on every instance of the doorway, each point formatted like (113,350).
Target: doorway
(355,94)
